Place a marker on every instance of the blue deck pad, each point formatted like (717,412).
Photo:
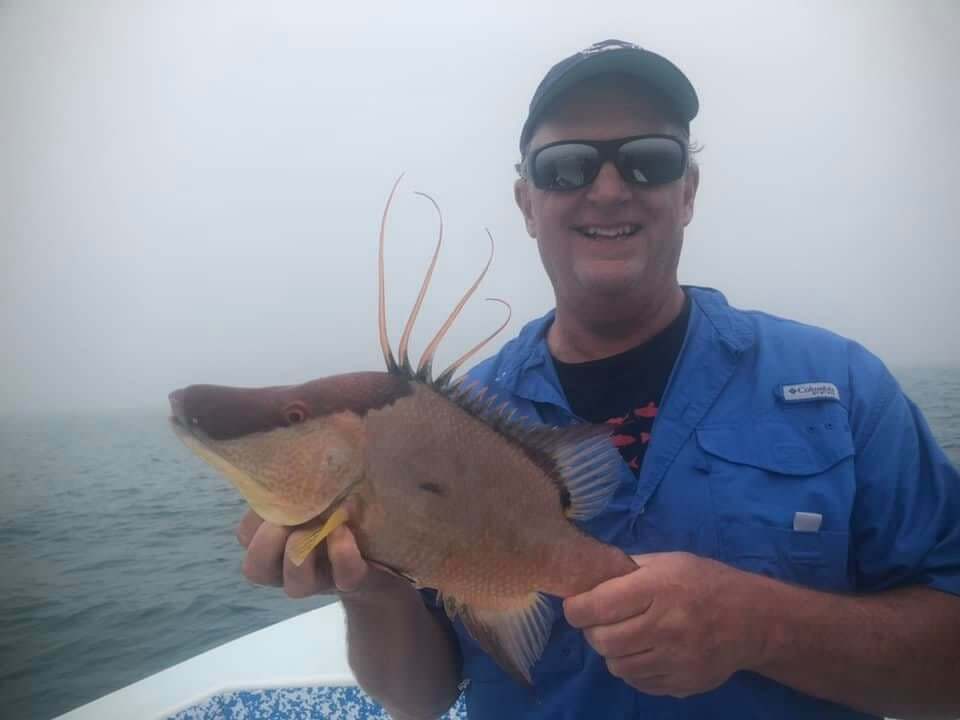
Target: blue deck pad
(313,703)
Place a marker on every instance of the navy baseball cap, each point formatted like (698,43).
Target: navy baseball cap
(613,56)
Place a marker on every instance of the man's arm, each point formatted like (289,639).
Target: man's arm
(682,624)
(405,657)
(895,653)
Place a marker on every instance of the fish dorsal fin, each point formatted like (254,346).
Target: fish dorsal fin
(581,459)
(514,637)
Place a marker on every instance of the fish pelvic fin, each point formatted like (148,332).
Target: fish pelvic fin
(514,637)
(306,545)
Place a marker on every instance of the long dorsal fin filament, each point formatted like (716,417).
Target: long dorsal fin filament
(444,377)
(405,338)
(401,363)
(382,307)
(426,361)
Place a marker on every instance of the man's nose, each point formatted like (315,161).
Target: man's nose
(608,186)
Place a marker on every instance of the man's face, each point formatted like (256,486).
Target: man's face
(639,265)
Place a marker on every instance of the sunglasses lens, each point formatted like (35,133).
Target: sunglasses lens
(651,161)
(565,167)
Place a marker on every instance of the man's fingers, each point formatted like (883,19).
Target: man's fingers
(610,602)
(263,564)
(640,667)
(348,566)
(632,636)
(247,527)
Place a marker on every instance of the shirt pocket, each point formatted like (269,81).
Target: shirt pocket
(761,476)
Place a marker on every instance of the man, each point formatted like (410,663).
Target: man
(795,527)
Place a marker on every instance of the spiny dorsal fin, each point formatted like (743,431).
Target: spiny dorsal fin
(580,458)
(514,638)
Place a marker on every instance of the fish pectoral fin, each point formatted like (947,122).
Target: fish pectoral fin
(305,546)
(514,638)
(588,464)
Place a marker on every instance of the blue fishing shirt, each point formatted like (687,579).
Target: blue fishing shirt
(779,449)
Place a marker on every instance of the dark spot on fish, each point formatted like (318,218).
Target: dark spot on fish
(432,488)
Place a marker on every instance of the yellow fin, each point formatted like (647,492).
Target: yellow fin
(306,545)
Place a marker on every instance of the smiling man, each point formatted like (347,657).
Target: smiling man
(795,526)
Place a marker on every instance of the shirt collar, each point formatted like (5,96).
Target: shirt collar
(529,352)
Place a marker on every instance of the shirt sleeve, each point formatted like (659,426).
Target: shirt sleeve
(906,516)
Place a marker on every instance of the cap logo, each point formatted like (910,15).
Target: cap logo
(606,45)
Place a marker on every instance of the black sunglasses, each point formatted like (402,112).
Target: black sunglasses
(573,164)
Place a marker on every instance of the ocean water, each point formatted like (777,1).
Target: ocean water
(117,554)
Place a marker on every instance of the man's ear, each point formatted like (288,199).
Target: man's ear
(691,181)
(521,193)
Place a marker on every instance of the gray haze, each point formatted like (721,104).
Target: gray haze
(190,191)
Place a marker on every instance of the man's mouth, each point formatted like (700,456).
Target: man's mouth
(607,231)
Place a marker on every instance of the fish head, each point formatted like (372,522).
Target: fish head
(292,451)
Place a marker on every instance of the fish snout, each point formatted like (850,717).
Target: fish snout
(178,414)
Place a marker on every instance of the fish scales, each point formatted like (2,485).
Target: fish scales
(473,506)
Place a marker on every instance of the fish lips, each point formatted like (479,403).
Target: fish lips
(183,425)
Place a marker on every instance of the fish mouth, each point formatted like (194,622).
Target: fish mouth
(182,424)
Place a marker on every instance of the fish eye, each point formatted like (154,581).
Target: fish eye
(295,414)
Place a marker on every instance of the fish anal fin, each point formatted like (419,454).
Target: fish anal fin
(514,637)
(307,544)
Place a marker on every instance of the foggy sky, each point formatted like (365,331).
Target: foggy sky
(191,191)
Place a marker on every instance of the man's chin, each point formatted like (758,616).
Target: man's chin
(609,282)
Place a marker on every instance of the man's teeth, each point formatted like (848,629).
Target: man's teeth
(609,232)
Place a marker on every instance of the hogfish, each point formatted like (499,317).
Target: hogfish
(446,487)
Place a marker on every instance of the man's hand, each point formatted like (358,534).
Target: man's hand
(403,656)
(335,566)
(677,625)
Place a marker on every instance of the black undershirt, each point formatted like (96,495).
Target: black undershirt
(625,390)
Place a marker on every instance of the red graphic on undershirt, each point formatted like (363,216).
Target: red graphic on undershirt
(647,411)
(633,433)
